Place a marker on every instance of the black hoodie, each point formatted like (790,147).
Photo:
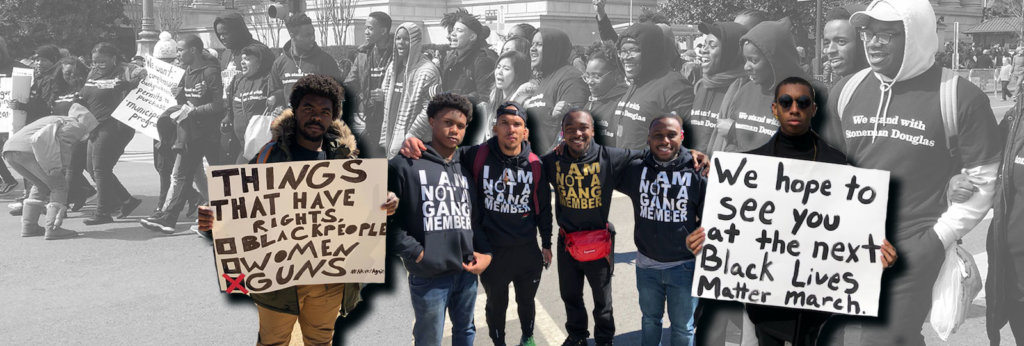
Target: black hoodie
(750,106)
(700,123)
(288,68)
(559,81)
(240,38)
(506,188)
(247,96)
(654,92)
(436,214)
(201,85)
(584,186)
(667,200)
(602,108)
(48,85)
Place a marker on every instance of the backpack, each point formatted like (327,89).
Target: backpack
(947,104)
(481,158)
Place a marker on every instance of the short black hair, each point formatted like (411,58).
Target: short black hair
(794,80)
(382,18)
(297,20)
(666,116)
(575,110)
(318,85)
(604,51)
(450,100)
(106,48)
(192,41)
(837,13)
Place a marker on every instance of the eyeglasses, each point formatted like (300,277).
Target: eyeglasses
(624,53)
(882,37)
(594,78)
(802,102)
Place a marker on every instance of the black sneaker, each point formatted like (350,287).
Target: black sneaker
(164,224)
(129,206)
(575,341)
(98,219)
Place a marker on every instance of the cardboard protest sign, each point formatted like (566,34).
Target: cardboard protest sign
(13,88)
(791,233)
(143,105)
(298,223)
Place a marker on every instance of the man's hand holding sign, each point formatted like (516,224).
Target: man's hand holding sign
(298,223)
(806,235)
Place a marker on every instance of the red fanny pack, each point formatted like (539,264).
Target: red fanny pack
(586,246)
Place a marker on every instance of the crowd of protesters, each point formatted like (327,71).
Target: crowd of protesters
(541,104)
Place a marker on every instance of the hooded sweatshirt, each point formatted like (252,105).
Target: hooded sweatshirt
(436,214)
(584,186)
(248,94)
(896,124)
(411,88)
(750,107)
(289,67)
(506,188)
(709,92)
(48,85)
(366,74)
(559,81)
(202,87)
(667,199)
(602,107)
(100,98)
(654,92)
(240,38)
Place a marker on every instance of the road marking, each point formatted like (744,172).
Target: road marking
(543,323)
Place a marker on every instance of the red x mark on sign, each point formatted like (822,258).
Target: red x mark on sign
(235,284)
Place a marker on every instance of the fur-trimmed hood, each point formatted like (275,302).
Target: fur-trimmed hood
(340,142)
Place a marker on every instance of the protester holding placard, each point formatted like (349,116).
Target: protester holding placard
(435,233)
(516,200)
(198,131)
(793,108)
(252,100)
(108,82)
(668,197)
(313,131)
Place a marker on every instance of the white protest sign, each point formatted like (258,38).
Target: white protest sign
(283,224)
(143,105)
(13,88)
(792,233)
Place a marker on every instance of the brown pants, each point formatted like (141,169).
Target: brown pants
(319,306)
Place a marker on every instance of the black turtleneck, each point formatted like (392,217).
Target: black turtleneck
(800,147)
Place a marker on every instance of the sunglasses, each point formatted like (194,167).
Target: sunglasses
(786,101)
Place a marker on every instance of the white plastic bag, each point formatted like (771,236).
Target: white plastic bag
(257,134)
(958,283)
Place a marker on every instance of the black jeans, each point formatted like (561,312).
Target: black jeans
(1006,90)
(106,146)
(906,295)
(520,266)
(185,166)
(712,319)
(570,284)
(78,186)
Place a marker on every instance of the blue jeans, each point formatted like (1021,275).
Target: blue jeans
(431,296)
(654,287)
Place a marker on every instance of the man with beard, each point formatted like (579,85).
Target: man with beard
(313,131)
(928,144)
(301,57)
(198,131)
(365,78)
(560,86)
(515,202)
(653,89)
